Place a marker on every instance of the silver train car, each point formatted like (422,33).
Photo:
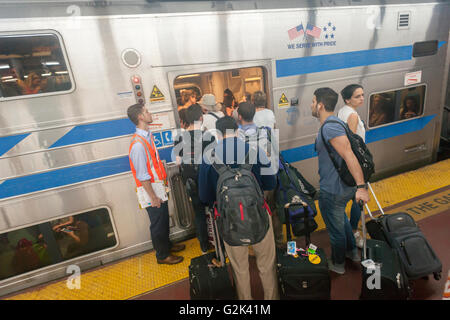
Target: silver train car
(70,69)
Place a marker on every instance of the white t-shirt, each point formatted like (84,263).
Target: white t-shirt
(209,121)
(264,118)
(345,112)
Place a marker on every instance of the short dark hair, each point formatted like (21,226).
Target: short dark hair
(348,91)
(134,111)
(193,113)
(226,123)
(182,115)
(328,97)
(228,101)
(247,111)
(259,99)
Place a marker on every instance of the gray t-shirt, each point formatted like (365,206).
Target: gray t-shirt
(329,177)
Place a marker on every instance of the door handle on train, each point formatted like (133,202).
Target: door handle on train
(420,147)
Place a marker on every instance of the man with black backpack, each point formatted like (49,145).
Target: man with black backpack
(334,151)
(260,137)
(230,180)
(188,151)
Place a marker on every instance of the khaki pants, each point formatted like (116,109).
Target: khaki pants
(265,260)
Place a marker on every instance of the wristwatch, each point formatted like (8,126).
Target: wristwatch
(361,186)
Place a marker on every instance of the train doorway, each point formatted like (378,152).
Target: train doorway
(242,83)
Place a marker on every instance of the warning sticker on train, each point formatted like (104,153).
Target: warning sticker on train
(156,95)
(283,102)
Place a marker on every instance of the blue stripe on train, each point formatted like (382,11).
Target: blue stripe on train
(7,143)
(71,175)
(373,135)
(328,62)
(67,176)
(96,131)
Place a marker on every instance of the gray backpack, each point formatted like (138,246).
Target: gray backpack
(242,214)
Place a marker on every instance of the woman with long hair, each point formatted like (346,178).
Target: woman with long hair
(353,96)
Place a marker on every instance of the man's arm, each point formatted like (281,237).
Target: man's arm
(343,148)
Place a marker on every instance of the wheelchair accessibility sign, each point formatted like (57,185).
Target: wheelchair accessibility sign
(158,139)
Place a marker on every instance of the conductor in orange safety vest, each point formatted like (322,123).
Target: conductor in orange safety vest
(147,168)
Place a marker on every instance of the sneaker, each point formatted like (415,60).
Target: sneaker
(338,268)
(359,240)
(353,255)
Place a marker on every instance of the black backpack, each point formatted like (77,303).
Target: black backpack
(361,152)
(241,212)
(291,185)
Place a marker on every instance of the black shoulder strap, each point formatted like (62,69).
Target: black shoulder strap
(214,115)
(326,144)
(217,164)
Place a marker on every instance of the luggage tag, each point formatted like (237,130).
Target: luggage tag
(292,248)
(312,249)
(369,264)
(314,259)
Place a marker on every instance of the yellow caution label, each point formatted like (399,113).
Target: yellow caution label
(283,102)
(314,259)
(156,94)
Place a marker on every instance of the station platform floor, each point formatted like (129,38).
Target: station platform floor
(423,193)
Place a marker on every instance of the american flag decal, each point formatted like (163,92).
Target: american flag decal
(296,32)
(313,31)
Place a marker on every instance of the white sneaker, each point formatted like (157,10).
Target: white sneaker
(359,240)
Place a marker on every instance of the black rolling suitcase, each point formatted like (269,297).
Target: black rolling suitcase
(209,278)
(383,276)
(300,279)
(401,232)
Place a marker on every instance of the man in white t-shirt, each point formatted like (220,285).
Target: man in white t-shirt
(211,110)
(263,117)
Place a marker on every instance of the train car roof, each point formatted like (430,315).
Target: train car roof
(64,8)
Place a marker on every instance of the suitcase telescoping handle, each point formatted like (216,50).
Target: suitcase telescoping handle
(363,226)
(306,221)
(376,200)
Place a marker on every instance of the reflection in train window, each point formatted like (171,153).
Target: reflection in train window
(52,242)
(32,64)
(397,105)
(189,88)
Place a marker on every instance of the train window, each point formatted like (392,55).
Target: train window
(425,48)
(52,242)
(396,105)
(242,83)
(31,65)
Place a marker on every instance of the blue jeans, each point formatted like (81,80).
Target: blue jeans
(332,208)
(355,214)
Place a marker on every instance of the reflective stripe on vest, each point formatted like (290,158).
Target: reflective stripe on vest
(156,171)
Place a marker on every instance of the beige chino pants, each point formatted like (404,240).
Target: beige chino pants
(266,262)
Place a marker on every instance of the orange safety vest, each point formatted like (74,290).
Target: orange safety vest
(157,167)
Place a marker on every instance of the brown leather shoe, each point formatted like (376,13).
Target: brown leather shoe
(177,247)
(171,259)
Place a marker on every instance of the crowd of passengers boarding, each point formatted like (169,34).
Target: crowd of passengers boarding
(242,133)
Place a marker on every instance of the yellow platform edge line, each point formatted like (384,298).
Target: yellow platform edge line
(140,274)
